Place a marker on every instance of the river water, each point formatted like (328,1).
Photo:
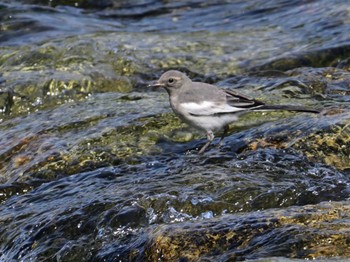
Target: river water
(94,166)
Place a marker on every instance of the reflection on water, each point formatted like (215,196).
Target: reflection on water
(94,166)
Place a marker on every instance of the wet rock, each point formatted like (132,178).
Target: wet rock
(317,58)
(13,189)
(128,216)
(332,146)
(323,138)
(50,75)
(95,166)
(46,146)
(328,82)
(311,232)
(108,129)
(6,100)
(110,213)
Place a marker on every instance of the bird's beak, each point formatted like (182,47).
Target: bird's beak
(155,84)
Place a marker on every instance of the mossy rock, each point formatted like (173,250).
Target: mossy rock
(309,232)
(323,138)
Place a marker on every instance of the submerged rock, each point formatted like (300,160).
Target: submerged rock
(113,128)
(332,147)
(315,58)
(322,138)
(95,167)
(308,232)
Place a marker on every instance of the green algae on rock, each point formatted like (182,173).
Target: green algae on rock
(309,232)
(332,146)
(324,138)
(315,58)
(81,136)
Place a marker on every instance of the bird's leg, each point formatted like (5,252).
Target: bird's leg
(226,128)
(210,136)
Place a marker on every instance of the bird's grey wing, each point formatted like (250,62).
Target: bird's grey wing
(202,99)
(237,100)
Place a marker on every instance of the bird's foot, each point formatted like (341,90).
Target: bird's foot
(210,136)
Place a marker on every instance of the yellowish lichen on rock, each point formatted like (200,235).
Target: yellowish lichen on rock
(314,231)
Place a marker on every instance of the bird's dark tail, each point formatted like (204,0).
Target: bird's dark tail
(288,108)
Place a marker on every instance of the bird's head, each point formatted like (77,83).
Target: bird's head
(172,80)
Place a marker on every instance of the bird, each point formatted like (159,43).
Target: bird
(210,108)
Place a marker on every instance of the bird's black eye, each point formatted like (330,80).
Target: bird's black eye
(171,80)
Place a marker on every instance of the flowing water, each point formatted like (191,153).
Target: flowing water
(94,166)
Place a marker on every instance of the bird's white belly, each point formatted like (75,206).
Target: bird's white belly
(212,123)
